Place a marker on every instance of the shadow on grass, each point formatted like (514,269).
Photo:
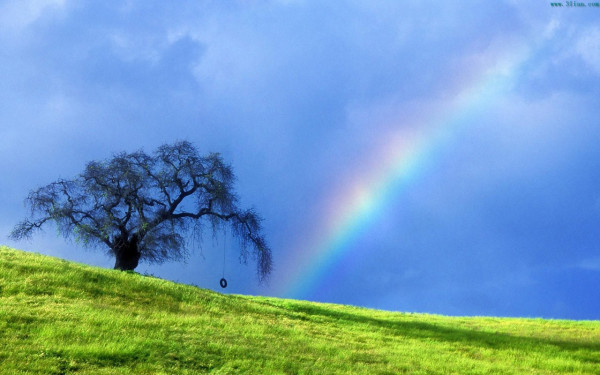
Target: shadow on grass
(588,352)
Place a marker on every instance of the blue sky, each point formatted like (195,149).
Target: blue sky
(301,96)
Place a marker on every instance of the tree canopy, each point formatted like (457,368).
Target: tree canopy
(141,207)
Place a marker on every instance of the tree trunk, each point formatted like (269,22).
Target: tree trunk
(127,255)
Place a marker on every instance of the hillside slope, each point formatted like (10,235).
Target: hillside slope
(59,317)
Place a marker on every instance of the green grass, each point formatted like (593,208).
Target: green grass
(59,317)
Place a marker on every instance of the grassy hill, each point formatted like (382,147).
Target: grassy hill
(59,317)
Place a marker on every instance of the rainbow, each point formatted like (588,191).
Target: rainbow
(405,157)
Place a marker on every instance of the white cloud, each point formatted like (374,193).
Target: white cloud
(130,48)
(16,15)
(568,43)
(591,264)
(588,48)
(551,28)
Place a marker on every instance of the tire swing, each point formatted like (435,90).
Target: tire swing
(223,281)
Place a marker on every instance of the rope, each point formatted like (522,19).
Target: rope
(223,281)
(224,249)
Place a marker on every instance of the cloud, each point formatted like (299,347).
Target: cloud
(16,15)
(588,48)
(590,264)
(565,58)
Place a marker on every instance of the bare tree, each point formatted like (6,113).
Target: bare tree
(141,206)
